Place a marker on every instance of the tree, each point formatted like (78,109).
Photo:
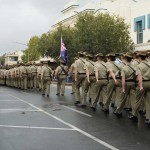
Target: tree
(49,44)
(2,60)
(32,53)
(102,33)
(44,44)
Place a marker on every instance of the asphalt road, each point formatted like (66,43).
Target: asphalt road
(28,121)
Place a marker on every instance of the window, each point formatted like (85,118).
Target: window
(148,21)
(139,32)
(138,19)
(13,58)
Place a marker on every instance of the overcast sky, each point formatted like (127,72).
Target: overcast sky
(22,19)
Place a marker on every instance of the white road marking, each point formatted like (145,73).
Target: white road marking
(26,110)
(80,112)
(70,125)
(9,101)
(43,128)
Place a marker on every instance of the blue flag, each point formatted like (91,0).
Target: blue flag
(63,52)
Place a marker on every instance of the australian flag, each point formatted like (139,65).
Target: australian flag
(63,52)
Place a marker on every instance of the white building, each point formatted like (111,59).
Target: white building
(13,58)
(135,12)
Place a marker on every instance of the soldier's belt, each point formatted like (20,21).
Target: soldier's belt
(102,78)
(46,76)
(81,73)
(146,80)
(92,75)
(116,78)
(130,80)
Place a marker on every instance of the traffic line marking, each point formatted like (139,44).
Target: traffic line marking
(29,127)
(80,112)
(9,101)
(70,125)
(14,110)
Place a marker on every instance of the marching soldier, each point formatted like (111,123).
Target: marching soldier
(143,90)
(89,80)
(2,76)
(46,76)
(33,76)
(135,60)
(101,80)
(128,84)
(17,74)
(71,74)
(9,76)
(121,62)
(114,83)
(61,73)
(39,73)
(29,75)
(24,76)
(148,57)
(80,77)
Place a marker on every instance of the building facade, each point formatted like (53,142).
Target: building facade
(135,12)
(13,58)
